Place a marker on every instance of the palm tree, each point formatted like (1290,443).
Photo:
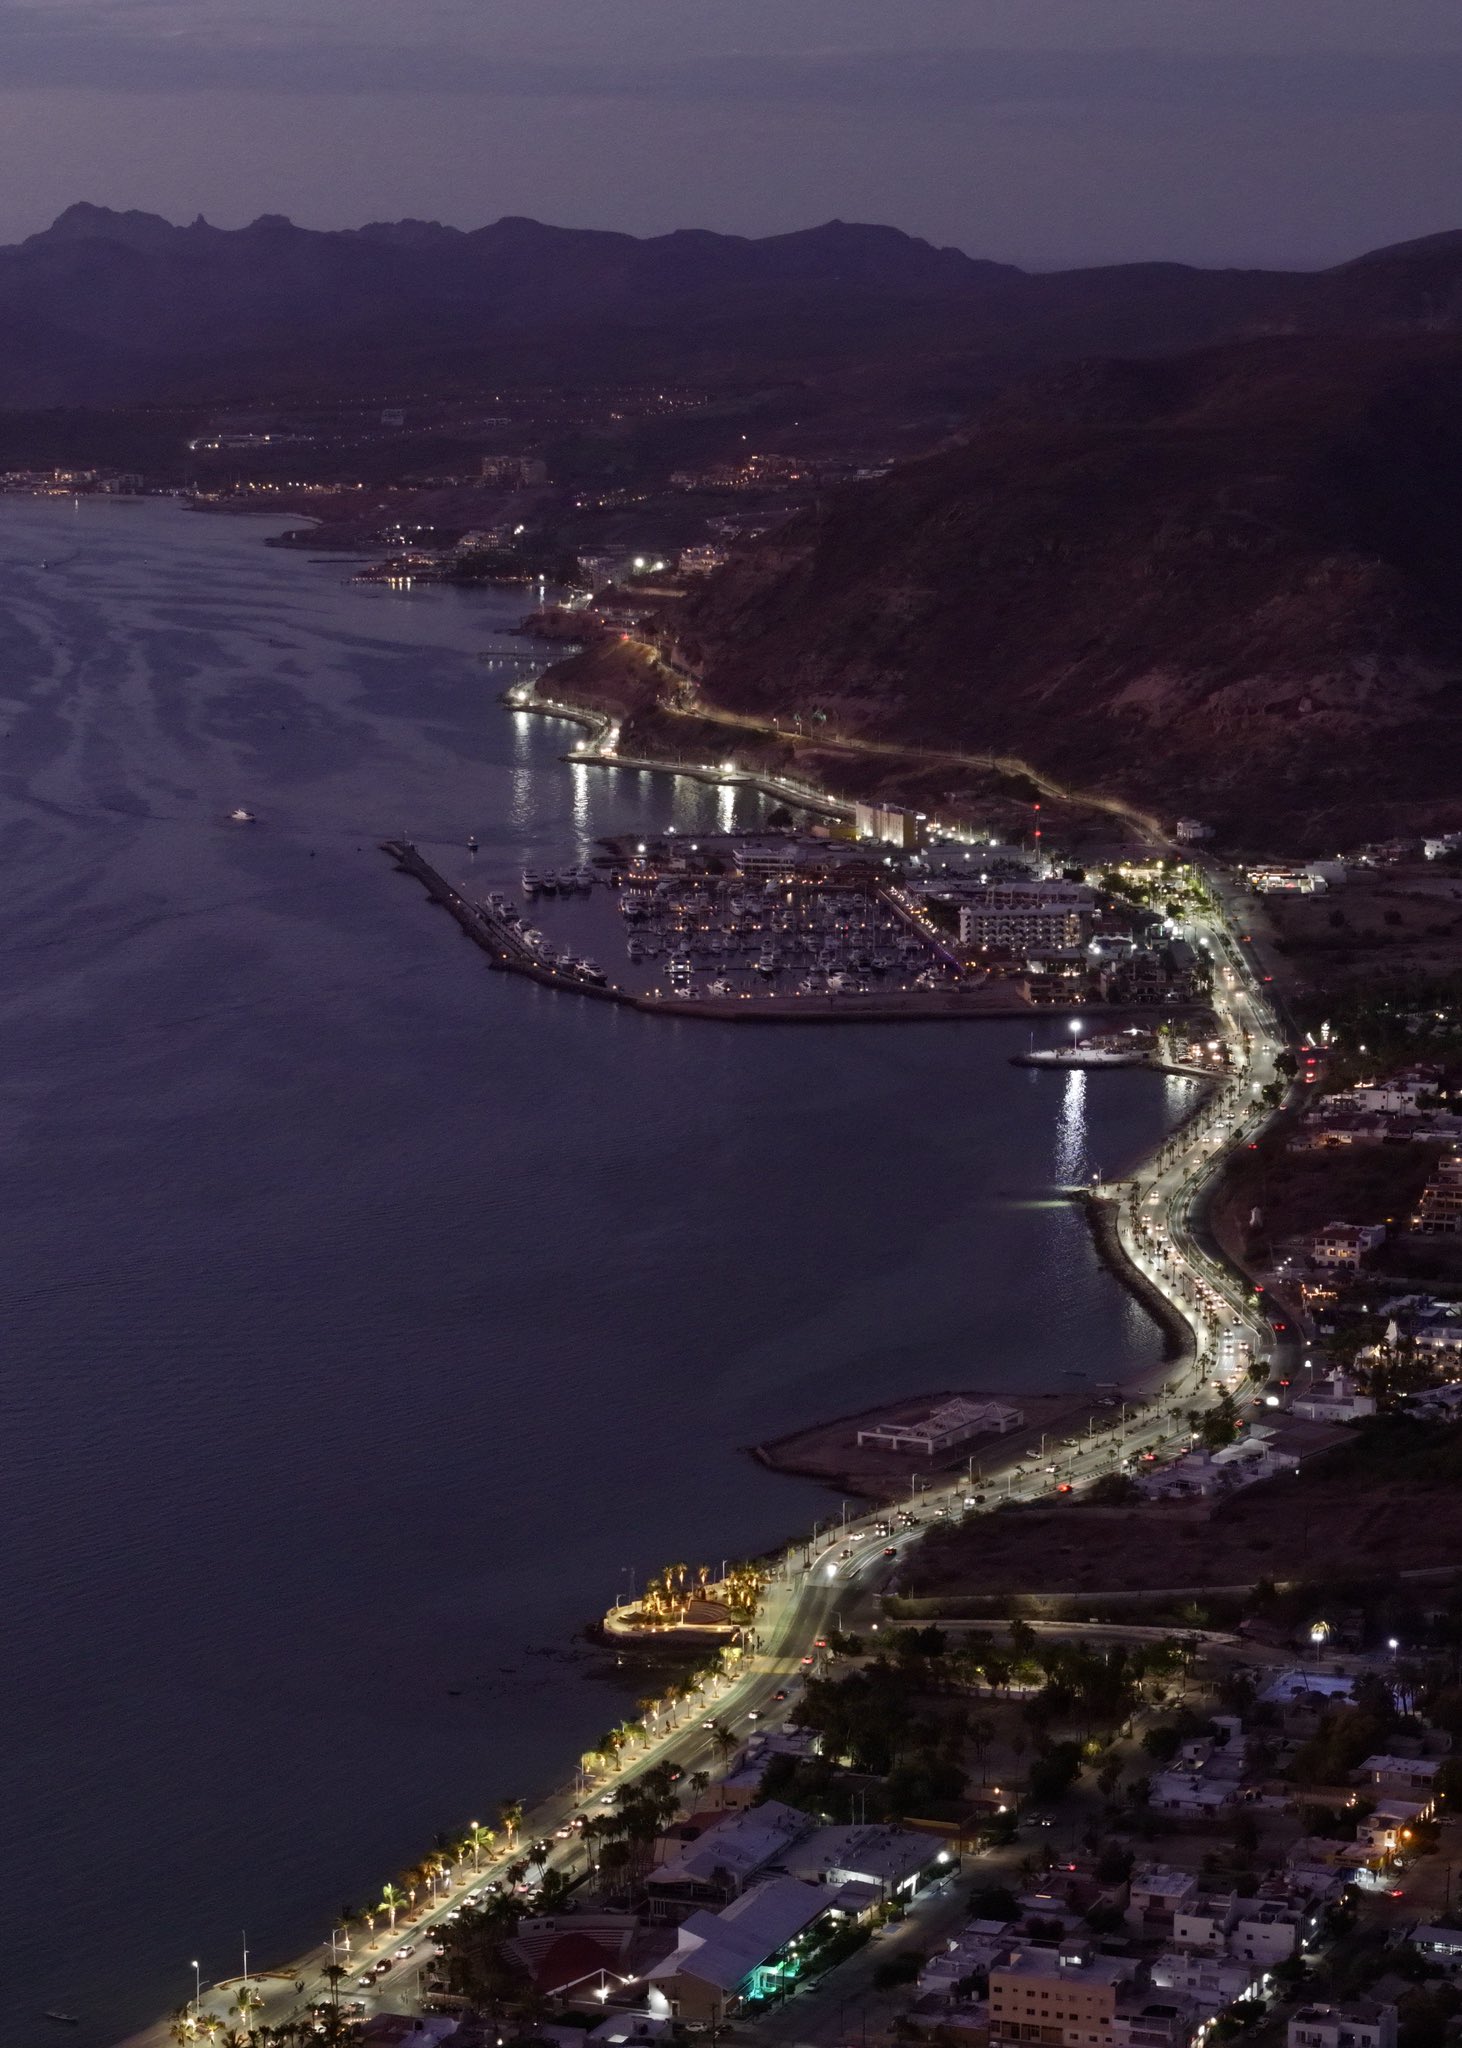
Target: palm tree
(981,1734)
(476,1839)
(246,2000)
(510,1813)
(391,1900)
(183,2023)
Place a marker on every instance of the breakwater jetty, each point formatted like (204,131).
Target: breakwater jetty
(502,941)
(507,947)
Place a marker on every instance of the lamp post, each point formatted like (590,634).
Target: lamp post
(197,1990)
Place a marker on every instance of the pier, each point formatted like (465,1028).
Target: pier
(502,942)
(507,949)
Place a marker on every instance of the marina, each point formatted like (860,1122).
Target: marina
(314,1153)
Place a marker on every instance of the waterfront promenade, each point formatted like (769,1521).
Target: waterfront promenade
(834,1573)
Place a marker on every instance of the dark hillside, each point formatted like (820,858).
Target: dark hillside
(1228,584)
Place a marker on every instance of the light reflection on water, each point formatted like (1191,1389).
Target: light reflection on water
(371,1309)
(1072,1156)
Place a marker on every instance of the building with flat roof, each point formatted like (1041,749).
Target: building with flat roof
(953,1422)
(891,1862)
(1062,1997)
(890,825)
(1414,1777)
(1156,1892)
(1363,2024)
(1043,917)
(1440,1945)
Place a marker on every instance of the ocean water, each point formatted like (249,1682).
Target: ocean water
(369,1316)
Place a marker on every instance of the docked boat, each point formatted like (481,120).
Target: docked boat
(721,987)
(532,881)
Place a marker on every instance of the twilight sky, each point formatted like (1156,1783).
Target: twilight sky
(1043,132)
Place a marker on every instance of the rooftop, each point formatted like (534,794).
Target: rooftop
(1055,1962)
(724,1948)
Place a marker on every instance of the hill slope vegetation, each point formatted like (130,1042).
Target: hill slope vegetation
(1224,584)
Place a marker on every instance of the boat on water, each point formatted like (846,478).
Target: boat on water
(239,816)
(66,2019)
(532,881)
(472,842)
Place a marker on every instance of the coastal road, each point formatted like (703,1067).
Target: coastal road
(837,1572)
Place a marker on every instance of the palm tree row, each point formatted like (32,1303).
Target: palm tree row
(669,1593)
(660,1713)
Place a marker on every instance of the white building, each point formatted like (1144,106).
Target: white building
(1266,1932)
(1216,1979)
(1044,917)
(1204,1924)
(1200,1473)
(972,1953)
(1410,1777)
(1387,1831)
(890,825)
(1342,1246)
(1363,2024)
(1205,1778)
(1334,1400)
(1155,1893)
(953,1422)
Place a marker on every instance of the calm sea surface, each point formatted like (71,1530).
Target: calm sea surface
(367,1314)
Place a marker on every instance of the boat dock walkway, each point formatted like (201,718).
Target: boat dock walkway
(502,942)
(506,948)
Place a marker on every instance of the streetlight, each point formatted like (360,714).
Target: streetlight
(197,1990)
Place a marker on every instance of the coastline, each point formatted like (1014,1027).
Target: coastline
(1103,1215)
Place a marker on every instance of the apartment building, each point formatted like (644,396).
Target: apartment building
(1363,2024)
(1061,1997)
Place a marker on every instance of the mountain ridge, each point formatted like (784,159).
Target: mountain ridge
(138,308)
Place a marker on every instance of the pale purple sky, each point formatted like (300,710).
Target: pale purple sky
(1043,132)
